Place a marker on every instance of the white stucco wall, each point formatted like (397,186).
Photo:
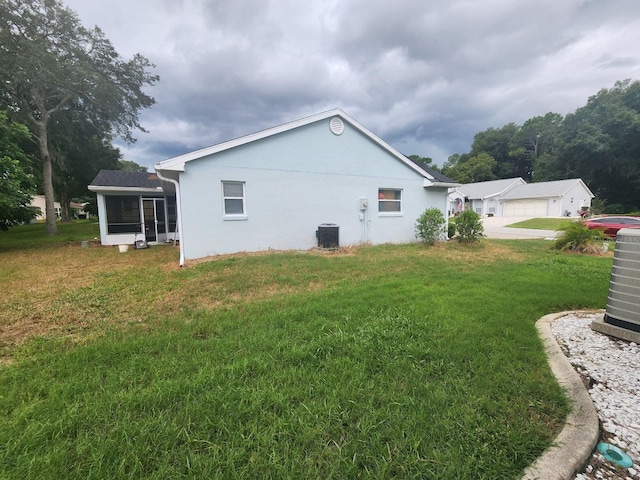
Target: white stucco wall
(294,182)
(580,196)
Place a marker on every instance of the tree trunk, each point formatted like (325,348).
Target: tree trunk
(65,206)
(47,177)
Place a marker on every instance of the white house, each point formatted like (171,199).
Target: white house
(483,197)
(513,197)
(282,187)
(560,198)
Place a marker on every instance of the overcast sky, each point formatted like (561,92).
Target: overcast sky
(424,75)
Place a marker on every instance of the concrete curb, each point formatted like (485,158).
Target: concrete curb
(573,446)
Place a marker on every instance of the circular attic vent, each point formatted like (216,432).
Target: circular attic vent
(336,126)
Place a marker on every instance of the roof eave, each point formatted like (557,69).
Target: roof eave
(102,188)
(428,183)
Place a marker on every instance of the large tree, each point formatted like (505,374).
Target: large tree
(16,186)
(50,63)
(477,168)
(498,144)
(600,143)
(538,136)
(78,151)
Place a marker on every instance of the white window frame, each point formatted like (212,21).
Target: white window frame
(234,216)
(383,213)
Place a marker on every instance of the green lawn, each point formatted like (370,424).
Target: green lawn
(373,362)
(543,223)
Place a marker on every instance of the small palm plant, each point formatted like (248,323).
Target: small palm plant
(577,237)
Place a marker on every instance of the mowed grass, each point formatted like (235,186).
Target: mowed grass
(371,362)
(543,223)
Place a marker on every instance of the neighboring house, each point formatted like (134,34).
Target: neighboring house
(483,197)
(78,210)
(39,203)
(513,197)
(134,206)
(560,198)
(277,188)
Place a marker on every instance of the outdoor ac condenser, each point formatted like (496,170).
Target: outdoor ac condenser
(623,302)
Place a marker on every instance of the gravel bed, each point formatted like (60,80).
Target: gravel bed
(610,369)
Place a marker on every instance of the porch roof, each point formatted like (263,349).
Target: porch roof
(121,181)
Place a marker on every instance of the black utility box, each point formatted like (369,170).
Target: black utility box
(328,235)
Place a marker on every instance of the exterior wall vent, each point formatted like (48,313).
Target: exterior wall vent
(623,302)
(336,125)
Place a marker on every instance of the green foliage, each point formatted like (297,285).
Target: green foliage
(498,143)
(430,226)
(451,229)
(600,144)
(476,168)
(614,209)
(16,186)
(578,238)
(425,162)
(55,72)
(597,206)
(79,151)
(51,62)
(130,166)
(469,227)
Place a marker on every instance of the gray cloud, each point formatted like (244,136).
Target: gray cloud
(425,76)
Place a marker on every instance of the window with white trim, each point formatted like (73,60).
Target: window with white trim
(389,200)
(233,199)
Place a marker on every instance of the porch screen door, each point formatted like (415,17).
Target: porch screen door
(154,219)
(161,222)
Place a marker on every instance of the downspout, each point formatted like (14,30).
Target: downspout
(179,212)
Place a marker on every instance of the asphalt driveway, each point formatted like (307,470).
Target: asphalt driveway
(496,227)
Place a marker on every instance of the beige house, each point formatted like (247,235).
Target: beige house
(39,203)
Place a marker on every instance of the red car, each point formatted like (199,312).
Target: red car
(611,225)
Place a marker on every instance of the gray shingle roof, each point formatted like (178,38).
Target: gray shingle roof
(488,189)
(120,178)
(439,177)
(555,188)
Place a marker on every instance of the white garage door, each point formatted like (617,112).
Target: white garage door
(525,208)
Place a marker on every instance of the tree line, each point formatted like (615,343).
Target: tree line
(65,95)
(599,143)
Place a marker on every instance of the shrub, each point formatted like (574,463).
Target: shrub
(578,238)
(616,209)
(469,227)
(597,206)
(430,226)
(451,229)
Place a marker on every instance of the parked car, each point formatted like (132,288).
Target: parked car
(611,225)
